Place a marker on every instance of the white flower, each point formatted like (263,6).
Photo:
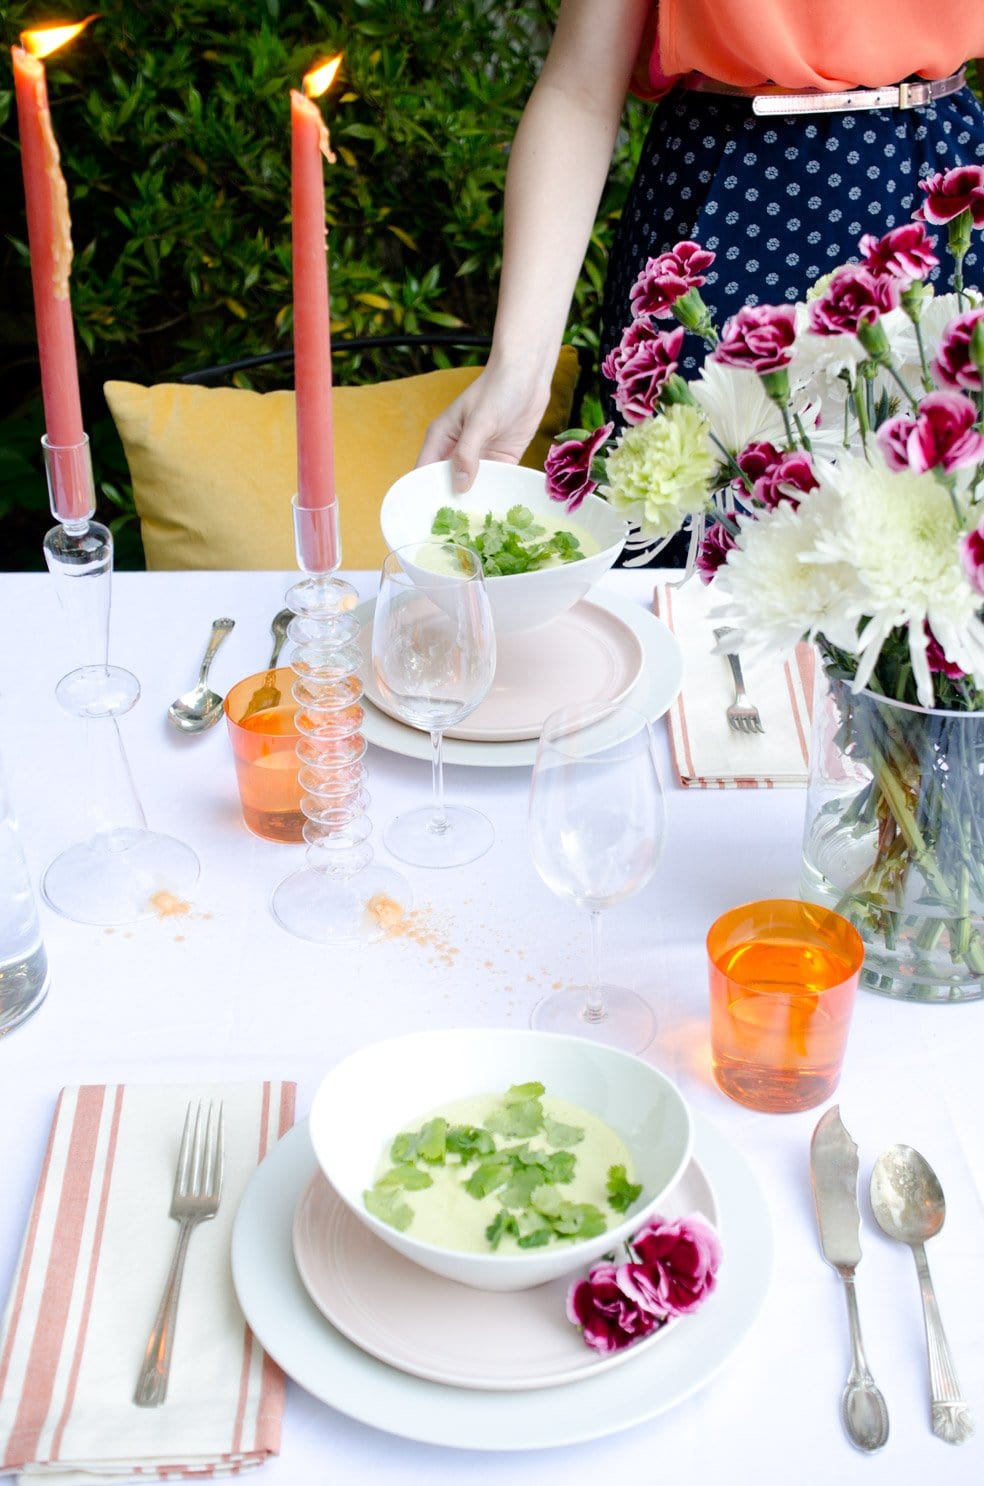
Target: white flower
(897,534)
(773,594)
(662,470)
(736,406)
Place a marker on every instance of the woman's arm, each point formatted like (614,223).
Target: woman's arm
(557,171)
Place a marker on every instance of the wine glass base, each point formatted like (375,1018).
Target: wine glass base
(628,1022)
(465,835)
(120,877)
(327,909)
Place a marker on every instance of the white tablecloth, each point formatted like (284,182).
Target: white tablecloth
(224,993)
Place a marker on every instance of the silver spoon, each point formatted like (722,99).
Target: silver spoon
(907,1201)
(267,694)
(199,708)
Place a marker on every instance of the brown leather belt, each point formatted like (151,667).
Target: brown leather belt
(774,100)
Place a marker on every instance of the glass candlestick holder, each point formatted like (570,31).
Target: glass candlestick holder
(121,872)
(341,895)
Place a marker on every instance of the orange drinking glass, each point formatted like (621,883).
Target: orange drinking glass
(263,741)
(783,974)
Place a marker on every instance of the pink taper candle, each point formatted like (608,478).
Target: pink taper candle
(49,234)
(312,326)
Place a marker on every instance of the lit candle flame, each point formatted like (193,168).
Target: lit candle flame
(320,78)
(47,39)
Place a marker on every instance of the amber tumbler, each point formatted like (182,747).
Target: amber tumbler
(260,713)
(783,975)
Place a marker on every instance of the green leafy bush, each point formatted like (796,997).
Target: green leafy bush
(173,124)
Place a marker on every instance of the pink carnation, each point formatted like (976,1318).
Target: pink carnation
(854,296)
(714,550)
(568,467)
(608,1317)
(666,278)
(757,458)
(792,472)
(644,371)
(954,365)
(905,253)
(758,338)
(950,192)
(972,556)
(684,1255)
(936,657)
(941,436)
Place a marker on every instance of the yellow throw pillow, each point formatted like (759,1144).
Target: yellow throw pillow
(214,468)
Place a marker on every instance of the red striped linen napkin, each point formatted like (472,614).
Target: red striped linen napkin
(97,1250)
(707,753)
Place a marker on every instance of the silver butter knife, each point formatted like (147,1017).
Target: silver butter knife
(834,1170)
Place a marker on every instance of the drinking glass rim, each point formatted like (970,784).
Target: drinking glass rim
(603,711)
(439,580)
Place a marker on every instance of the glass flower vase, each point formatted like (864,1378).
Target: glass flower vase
(894,838)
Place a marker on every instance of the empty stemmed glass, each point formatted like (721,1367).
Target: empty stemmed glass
(433,659)
(597,824)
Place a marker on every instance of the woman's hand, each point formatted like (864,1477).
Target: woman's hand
(495,417)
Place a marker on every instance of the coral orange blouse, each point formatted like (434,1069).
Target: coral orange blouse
(826,44)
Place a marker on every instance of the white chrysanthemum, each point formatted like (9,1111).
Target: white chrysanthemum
(736,406)
(898,533)
(773,594)
(661,471)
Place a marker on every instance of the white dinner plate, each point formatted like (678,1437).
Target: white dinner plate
(434,1328)
(653,692)
(586,655)
(334,1370)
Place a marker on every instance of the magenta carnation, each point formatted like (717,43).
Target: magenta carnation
(608,1317)
(792,472)
(568,467)
(950,192)
(758,338)
(904,254)
(941,436)
(643,372)
(684,1256)
(715,548)
(954,366)
(972,556)
(936,658)
(853,297)
(665,279)
(757,458)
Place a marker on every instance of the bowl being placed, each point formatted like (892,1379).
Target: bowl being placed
(372,1095)
(519,601)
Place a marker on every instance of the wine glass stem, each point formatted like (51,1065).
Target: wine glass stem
(440,821)
(594,1006)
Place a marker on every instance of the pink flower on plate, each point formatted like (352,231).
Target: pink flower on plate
(954,366)
(950,192)
(609,1319)
(714,551)
(905,253)
(853,297)
(684,1255)
(568,467)
(665,279)
(758,338)
(941,436)
(643,373)
(936,659)
(972,556)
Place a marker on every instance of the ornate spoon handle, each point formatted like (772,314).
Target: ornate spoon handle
(952,1419)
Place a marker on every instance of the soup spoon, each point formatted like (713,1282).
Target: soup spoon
(907,1201)
(200,708)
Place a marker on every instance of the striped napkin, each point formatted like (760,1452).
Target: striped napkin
(707,754)
(96,1254)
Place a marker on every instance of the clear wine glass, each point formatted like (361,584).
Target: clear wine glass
(597,824)
(433,659)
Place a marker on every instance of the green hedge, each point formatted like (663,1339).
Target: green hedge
(173,123)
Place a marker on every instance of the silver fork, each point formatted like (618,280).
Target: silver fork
(195,1199)
(743,715)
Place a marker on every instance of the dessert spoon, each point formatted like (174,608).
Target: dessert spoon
(199,708)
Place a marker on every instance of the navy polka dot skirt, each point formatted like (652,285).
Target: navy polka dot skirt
(780,200)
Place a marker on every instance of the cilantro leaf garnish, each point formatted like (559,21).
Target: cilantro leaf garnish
(514,543)
(388,1207)
(621,1192)
(432,1140)
(501,1224)
(488,1177)
(467,1141)
(560,1134)
(520,1093)
(410,1178)
(516,1121)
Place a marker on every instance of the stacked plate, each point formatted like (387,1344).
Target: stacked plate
(368,1331)
(606,648)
